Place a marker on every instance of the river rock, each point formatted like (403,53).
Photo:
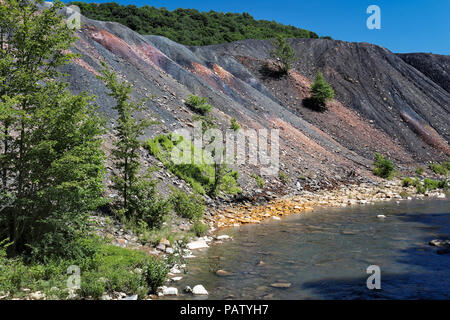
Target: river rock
(223,237)
(440,243)
(381,216)
(165,242)
(133,297)
(199,290)
(222,273)
(37,295)
(187,289)
(199,244)
(176,278)
(283,285)
(170,291)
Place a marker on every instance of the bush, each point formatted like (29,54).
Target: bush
(200,229)
(234,125)
(198,104)
(407,182)
(321,92)
(383,167)
(259,180)
(188,206)
(439,168)
(147,205)
(198,174)
(419,170)
(284,177)
(284,53)
(155,273)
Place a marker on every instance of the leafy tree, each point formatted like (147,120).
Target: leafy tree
(284,54)
(383,167)
(189,26)
(321,91)
(52,164)
(128,131)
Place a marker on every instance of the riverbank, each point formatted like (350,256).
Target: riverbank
(342,196)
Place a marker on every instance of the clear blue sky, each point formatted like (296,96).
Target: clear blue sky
(406,25)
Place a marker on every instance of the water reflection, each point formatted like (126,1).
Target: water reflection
(324,255)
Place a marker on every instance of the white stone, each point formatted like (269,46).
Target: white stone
(276,218)
(223,237)
(169,250)
(199,244)
(381,216)
(171,291)
(176,278)
(199,290)
(175,270)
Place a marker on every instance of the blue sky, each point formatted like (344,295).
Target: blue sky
(406,25)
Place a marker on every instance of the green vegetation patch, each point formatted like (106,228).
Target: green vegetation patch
(383,167)
(198,174)
(189,26)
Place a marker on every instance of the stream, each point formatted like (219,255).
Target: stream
(324,254)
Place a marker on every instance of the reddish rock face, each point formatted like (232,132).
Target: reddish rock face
(382,103)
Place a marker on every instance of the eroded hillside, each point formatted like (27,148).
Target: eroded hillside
(382,104)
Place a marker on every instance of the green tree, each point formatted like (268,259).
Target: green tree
(138,198)
(321,91)
(284,54)
(52,164)
(128,131)
(383,167)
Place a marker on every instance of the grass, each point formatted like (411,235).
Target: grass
(284,177)
(198,104)
(190,206)
(234,125)
(441,169)
(194,170)
(200,229)
(259,180)
(110,269)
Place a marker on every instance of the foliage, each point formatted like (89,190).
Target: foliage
(200,175)
(283,53)
(188,206)
(430,184)
(441,169)
(198,104)
(284,177)
(110,269)
(189,26)
(407,182)
(128,130)
(259,180)
(52,164)
(207,122)
(234,125)
(200,229)
(321,92)
(155,273)
(383,167)
(419,170)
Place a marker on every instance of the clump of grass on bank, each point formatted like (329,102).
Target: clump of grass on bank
(200,229)
(441,169)
(188,206)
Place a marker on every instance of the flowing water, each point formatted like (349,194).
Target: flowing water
(325,254)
